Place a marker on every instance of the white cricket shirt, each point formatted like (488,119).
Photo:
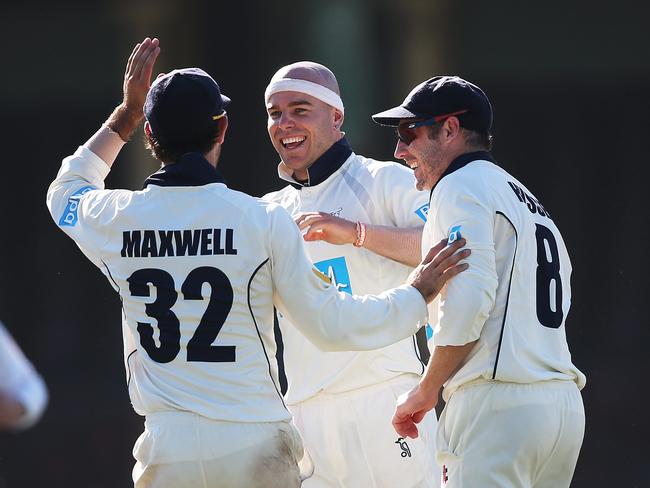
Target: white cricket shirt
(199,268)
(361,189)
(515,296)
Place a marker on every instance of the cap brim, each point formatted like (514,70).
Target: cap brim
(393,116)
(225,99)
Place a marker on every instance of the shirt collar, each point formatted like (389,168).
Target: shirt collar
(321,169)
(192,169)
(461,161)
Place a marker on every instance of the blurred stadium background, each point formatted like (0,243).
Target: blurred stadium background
(569,83)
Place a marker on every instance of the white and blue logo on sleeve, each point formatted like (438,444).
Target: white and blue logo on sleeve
(423,211)
(429,331)
(454,234)
(69,216)
(336,269)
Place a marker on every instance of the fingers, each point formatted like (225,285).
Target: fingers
(448,268)
(314,235)
(430,277)
(407,410)
(130,61)
(418,416)
(137,78)
(139,52)
(147,49)
(140,57)
(311,221)
(147,67)
(453,259)
(404,426)
(321,226)
(453,271)
(433,252)
(448,251)
(305,219)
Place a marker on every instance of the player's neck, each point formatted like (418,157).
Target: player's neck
(212,156)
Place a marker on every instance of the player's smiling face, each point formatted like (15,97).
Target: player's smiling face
(301,128)
(424,156)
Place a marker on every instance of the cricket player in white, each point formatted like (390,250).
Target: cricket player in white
(514,415)
(23,394)
(342,402)
(198,268)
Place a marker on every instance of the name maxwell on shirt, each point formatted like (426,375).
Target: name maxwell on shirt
(188,242)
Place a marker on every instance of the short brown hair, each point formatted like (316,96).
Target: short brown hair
(474,139)
(171,151)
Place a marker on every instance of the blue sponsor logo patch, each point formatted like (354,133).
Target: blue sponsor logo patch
(454,234)
(69,216)
(336,269)
(429,331)
(423,212)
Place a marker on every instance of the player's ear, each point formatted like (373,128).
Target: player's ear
(223,127)
(147,128)
(451,128)
(338,119)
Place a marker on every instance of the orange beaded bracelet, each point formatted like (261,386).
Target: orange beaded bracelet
(361,235)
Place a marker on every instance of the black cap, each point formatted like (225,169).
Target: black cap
(439,96)
(183,104)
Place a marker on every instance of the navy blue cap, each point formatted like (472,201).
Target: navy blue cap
(183,105)
(439,96)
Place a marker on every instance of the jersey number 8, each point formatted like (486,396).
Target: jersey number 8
(548,274)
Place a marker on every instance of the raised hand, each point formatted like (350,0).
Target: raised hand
(137,80)
(137,76)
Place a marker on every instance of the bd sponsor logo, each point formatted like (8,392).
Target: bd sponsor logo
(423,212)
(454,234)
(69,216)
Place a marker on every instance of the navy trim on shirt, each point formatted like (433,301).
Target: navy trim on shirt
(463,160)
(192,169)
(325,166)
(259,334)
(505,311)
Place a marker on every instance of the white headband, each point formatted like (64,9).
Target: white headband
(324,94)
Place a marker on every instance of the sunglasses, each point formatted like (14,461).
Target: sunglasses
(406,132)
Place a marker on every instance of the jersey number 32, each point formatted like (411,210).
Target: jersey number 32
(199,347)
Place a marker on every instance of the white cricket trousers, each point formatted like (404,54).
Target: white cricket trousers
(495,434)
(353,444)
(185,450)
